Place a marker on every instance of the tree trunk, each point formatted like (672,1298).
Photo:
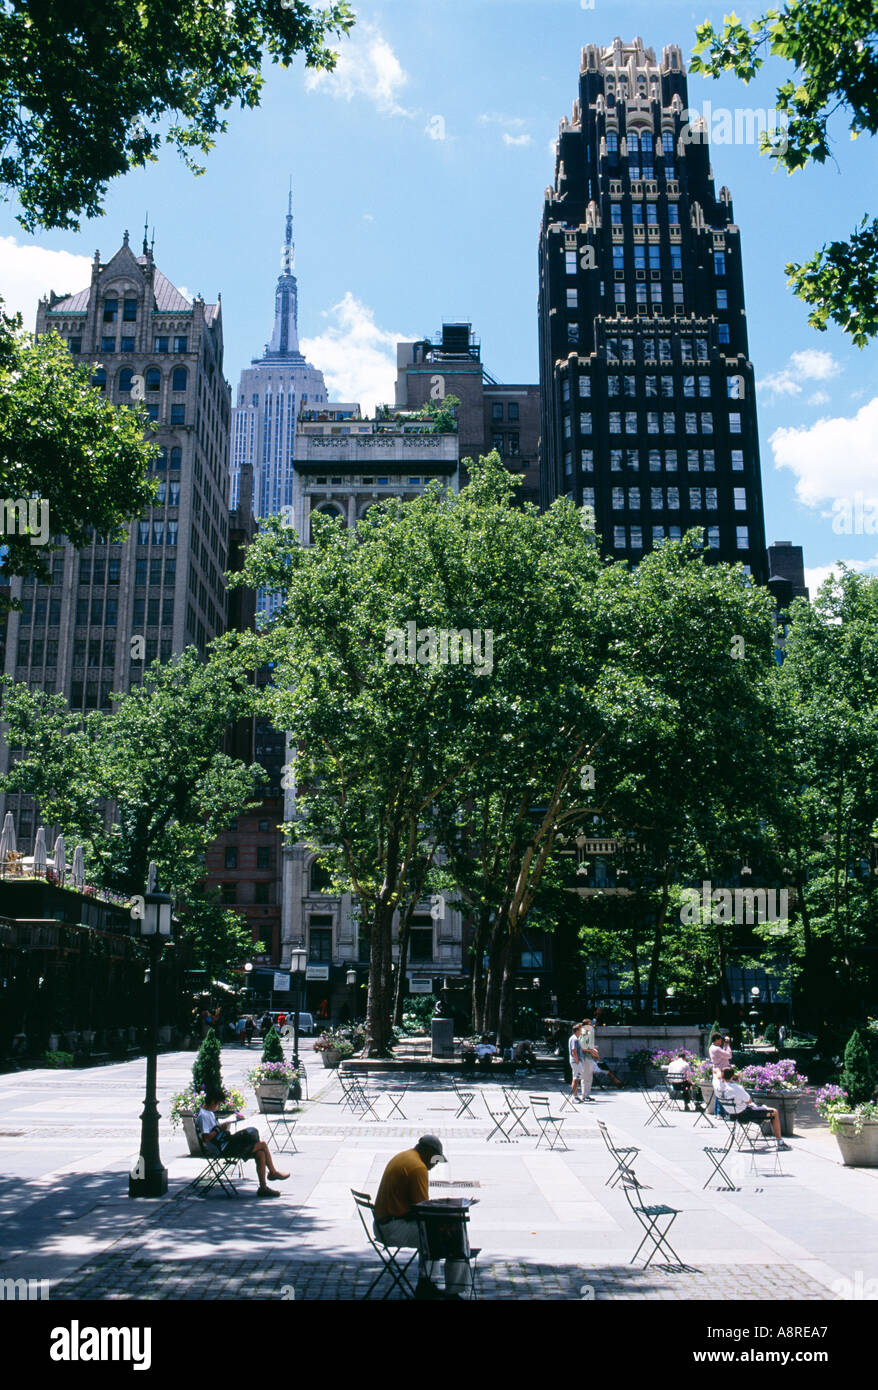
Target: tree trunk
(477,978)
(402,963)
(657,942)
(494,978)
(379,1002)
(506,1013)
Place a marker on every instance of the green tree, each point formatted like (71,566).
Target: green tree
(89,91)
(857,1077)
(832,46)
(157,760)
(215,938)
(207,1068)
(272,1049)
(63,443)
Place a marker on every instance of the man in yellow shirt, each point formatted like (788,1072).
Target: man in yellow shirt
(405,1182)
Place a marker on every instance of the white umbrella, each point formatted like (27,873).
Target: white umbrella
(152,876)
(7,840)
(39,866)
(78,870)
(60,859)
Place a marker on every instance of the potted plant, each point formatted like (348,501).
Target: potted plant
(850,1109)
(640,1066)
(207,1079)
(333,1048)
(702,1077)
(779,1085)
(273,1077)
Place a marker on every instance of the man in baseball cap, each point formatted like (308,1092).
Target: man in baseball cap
(405,1183)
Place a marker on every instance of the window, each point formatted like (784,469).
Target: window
(178,414)
(691,422)
(710,499)
(114,568)
(613,386)
(673,499)
(512,408)
(160,344)
(619,259)
(615,422)
(129,311)
(568,465)
(740,495)
(152,412)
(688,386)
(695,502)
(722,299)
(158,532)
(179,377)
(634,499)
(651,215)
(650,386)
(639,256)
(168,608)
(570,262)
(320,940)
(719,262)
(664,349)
(667,386)
(263,857)
(229,893)
(112,610)
(174,494)
(616,460)
(707,422)
(126,376)
(181,343)
(673,214)
(742,537)
(704,386)
(108,344)
(713,537)
(669,423)
(616,214)
(572,301)
(658,534)
(632,458)
(630,421)
(652,422)
(421,939)
(618,499)
(655,461)
(584,390)
(126,344)
(612,349)
(143,533)
(619,540)
(573,333)
(734,422)
(709,460)
(612,142)
(497,411)
(722,332)
(176,456)
(737,460)
(586,460)
(231,857)
(588,497)
(84,570)
(636,537)
(161,493)
(701,349)
(656,498)
(153,379)
(618,294)
(585,421)
(692,460)
(565,396)
(111,310)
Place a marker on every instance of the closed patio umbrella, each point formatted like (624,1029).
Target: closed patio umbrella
(7,840)
(60,858)
(78,868)
(40,861)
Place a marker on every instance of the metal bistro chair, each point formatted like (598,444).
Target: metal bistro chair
(396,1097)
(387,1254)
(216,1172)
(550,1125)
(656,1101)
(743,1137)
(364,1101)
(503,1123)
(566,1098)
(621,1157)
(444,1236)
(280,1125)
(348,1099)
(465,1100)
(517,1110)
(718,1157)
(650,1218)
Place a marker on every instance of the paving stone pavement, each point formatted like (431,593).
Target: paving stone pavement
(548,1225)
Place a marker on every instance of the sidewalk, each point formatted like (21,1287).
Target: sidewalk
(548,1225)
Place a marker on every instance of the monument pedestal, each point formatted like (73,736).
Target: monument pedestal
(442,1037)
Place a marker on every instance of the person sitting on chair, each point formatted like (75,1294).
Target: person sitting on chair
(680,1080)
(523,1056)
(245,1144)
(732,1097)
(405,1182)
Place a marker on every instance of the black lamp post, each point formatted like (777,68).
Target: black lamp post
(298,965)
(149,1177)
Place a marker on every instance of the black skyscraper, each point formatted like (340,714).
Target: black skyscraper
(648,410)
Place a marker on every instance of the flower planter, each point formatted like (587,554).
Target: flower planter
(785,1103)
(191,1135)
(706,1089)
(330,1057)
(857,1150)
(271,1091)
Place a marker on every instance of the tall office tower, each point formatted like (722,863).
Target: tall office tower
(490,415)
(648,409)
(165,584)
(271,392)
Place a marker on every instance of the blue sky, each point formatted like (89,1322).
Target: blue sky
(419,171)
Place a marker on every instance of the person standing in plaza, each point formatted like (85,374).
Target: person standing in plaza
(589,1058)
(405,1183)
(574,1054)
(720,1054)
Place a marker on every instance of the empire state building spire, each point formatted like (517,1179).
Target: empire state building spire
(285,338)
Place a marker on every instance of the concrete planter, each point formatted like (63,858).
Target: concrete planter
(191,1135)
(271,1091)
(857,1150)
(330,1058)
(706,1089)
(785,1103)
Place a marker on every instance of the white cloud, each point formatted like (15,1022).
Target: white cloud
(367,67)
(810,364)
(817,576)
(357,357)
(368,217)
(496,118)
(516,139)
(818,398)
(831,458)
(28,272)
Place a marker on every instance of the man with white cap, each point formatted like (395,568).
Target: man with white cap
(405,1183)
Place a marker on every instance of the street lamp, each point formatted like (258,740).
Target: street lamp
(149,1177)
(298,964)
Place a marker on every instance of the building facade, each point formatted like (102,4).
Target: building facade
(113,608)
(490,415)
(648,406)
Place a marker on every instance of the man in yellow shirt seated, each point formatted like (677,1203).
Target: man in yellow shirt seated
(405,1182)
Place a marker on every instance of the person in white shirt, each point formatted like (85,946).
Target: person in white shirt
(245,1144)
(732,1096)
(589,1058)
(574,1052)
(680,1079)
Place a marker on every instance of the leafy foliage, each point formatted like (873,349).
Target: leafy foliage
(833,48)
(272,1049)
(86,91)
(207,1072)
(857,1079)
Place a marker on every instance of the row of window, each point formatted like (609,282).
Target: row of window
(700,499)
(656,458)
(631,537)
(162,532)
(512,412)
(261,894)
(694,421)
(263,857)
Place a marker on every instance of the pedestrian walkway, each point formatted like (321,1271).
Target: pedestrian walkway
(548,1225)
